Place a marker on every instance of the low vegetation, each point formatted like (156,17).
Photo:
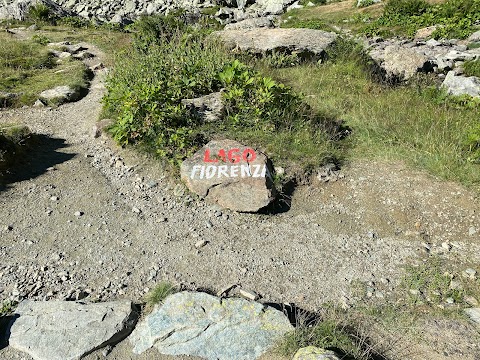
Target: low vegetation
(27,68)
(170,62)
(14,140)
(159,293)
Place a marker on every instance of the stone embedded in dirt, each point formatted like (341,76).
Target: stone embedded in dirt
(397,63)
(231,175)
(60,95)
(199,324)
(426,32)
(304,42)
(64,330)
(474,37)
(473,314)
(315,353)
(461,85)
(209,108)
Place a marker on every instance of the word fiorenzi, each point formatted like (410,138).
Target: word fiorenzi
(231,170)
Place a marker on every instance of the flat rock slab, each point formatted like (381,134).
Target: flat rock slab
(231,175)
(199,324)
(306,42)
(60,95)
(461,85)
(474,315)
(67,330)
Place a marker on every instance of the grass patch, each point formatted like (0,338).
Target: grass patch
(27,68)
(160,293)
(411,123)
(472,68)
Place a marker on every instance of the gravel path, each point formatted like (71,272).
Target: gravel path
(85,218)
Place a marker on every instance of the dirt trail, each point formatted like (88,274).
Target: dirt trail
(138,227)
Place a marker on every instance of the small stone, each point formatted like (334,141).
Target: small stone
(78,213)
(8,227)
(470,273)
(470,300)
(473,314)
(450,300)
(54,198)
(472,231)
(224,291)
(201,243)
(136,210)
(208,224)
(456,285)
(446,246)
(218,214)
(250,295)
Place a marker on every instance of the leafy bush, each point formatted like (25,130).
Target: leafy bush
(405,8)
(41,13)
(149,82)
(74,21)
(40,39)
(472,143)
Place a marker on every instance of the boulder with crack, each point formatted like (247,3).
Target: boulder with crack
(231,175)
(67,330)
(199,324)
(304,42)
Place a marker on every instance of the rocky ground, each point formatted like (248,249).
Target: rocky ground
(85,219)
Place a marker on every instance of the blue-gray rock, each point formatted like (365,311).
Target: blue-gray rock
(199,324)
(461,85)
(67,330)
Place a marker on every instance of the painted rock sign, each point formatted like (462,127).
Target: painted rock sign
(230,174)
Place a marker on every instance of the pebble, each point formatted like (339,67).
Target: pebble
(472,231)
(470,273)
(450,300)
(446,246)
(54,198)
(78,213)
(208,224)
(470,300)
(250,295)
(136,210)
(201,243)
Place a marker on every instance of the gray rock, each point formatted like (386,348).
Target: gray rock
(433,43)
(60,95)
(425,32)
(315,353)
(198,324)
(397,63)
(361,3)
(305,42)
(231,175)
(250,24)
(18,9)
(473,314)
(461,85)
(474,37)
(61,330)
(209,108)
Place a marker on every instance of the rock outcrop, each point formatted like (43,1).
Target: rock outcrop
(461,85)
(231,175)
(304,42)
(199,324)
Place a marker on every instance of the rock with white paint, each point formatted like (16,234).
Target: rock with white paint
(199,324)
(231,175)
(67,330)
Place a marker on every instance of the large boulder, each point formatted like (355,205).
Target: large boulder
(461,85)
(304,42)
(19,9)
(397,63)
(66,330)
(230,174)
(199,324)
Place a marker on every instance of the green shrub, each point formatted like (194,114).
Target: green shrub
(405,8)
(472,143)
(74,21)
(41,13)
(40,39)
(160,293)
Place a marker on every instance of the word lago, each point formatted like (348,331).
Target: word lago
(229,171)
(233,156)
